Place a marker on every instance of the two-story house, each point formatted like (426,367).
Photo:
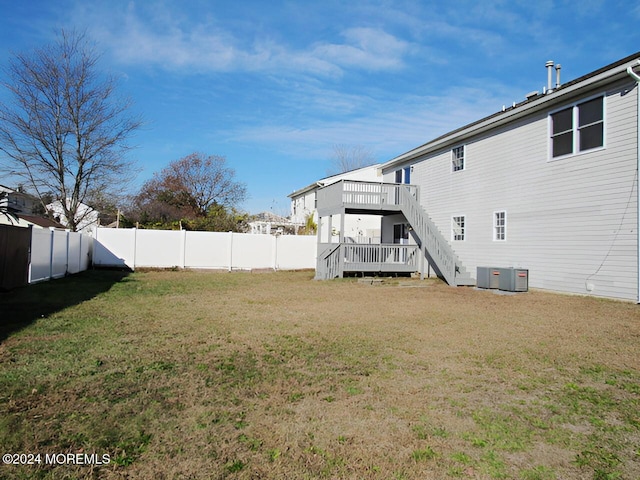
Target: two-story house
(16,201)
(549,184)
(356,227)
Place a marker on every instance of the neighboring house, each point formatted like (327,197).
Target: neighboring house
(15,201)
(549,185)
(268,223)
(23,220)
(17,208)
(89,218)
(303,205)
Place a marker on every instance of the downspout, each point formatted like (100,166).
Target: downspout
(636,77)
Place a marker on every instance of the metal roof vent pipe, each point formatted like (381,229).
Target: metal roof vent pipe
(549,66)
(558,67)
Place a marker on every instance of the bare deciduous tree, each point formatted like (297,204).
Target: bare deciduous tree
(208,180)
(64,130)
(345,158)
(189,188)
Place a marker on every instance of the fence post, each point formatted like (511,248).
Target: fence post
(51,240)
(135,246)
(80,269)
(275,256)
(30,250)
(66,265)
(184,248)
(230,251)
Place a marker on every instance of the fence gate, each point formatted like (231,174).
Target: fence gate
(15,243)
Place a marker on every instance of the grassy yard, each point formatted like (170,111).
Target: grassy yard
(275,376)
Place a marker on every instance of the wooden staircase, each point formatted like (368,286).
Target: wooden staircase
(436,248)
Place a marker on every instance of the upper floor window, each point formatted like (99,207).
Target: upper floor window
(458,227)
(403,175)
(578,128)
(457,159)
(500,225)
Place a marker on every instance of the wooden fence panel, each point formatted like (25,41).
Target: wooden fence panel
(15,244)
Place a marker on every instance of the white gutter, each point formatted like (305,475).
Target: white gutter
(636,77)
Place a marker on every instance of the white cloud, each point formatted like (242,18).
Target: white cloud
(131,40)
(388,129)
(366,48)
(134,36)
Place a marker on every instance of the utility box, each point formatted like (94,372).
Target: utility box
(488,277)
(513,279)
(482,277)
(507,279)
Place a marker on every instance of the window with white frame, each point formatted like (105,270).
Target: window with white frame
(457,159)
(458,228)
(578,128)
(500,226)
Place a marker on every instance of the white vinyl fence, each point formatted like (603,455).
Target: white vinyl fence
(56,253)
(134,248)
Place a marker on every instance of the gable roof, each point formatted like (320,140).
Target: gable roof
(41,221)
(328,180)
(565,92)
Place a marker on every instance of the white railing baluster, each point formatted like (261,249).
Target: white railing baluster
(383,196)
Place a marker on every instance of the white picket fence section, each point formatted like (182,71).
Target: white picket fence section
(135,248)
(56,253)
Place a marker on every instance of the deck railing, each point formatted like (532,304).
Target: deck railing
(437,247)
(400,258)
(363,195)
(335,259)
(380,258)
(328,263)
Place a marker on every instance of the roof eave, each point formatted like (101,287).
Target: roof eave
(588,82)
(306,189)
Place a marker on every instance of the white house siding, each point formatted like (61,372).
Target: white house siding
(355,226)
(303,206)
(572,222)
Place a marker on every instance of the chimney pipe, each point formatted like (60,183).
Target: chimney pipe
(549,66)
(558,67)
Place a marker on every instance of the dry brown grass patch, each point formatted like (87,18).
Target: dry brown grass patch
(218,375)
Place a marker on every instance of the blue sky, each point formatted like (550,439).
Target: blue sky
(273,86)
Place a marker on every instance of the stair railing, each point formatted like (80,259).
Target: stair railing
(328,265)
(437,247)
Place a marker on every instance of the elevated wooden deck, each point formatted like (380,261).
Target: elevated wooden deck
(336,259)
(348,197)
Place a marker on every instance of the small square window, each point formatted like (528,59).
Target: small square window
(458,228)
(457,159)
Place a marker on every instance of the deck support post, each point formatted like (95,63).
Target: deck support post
(341,240)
